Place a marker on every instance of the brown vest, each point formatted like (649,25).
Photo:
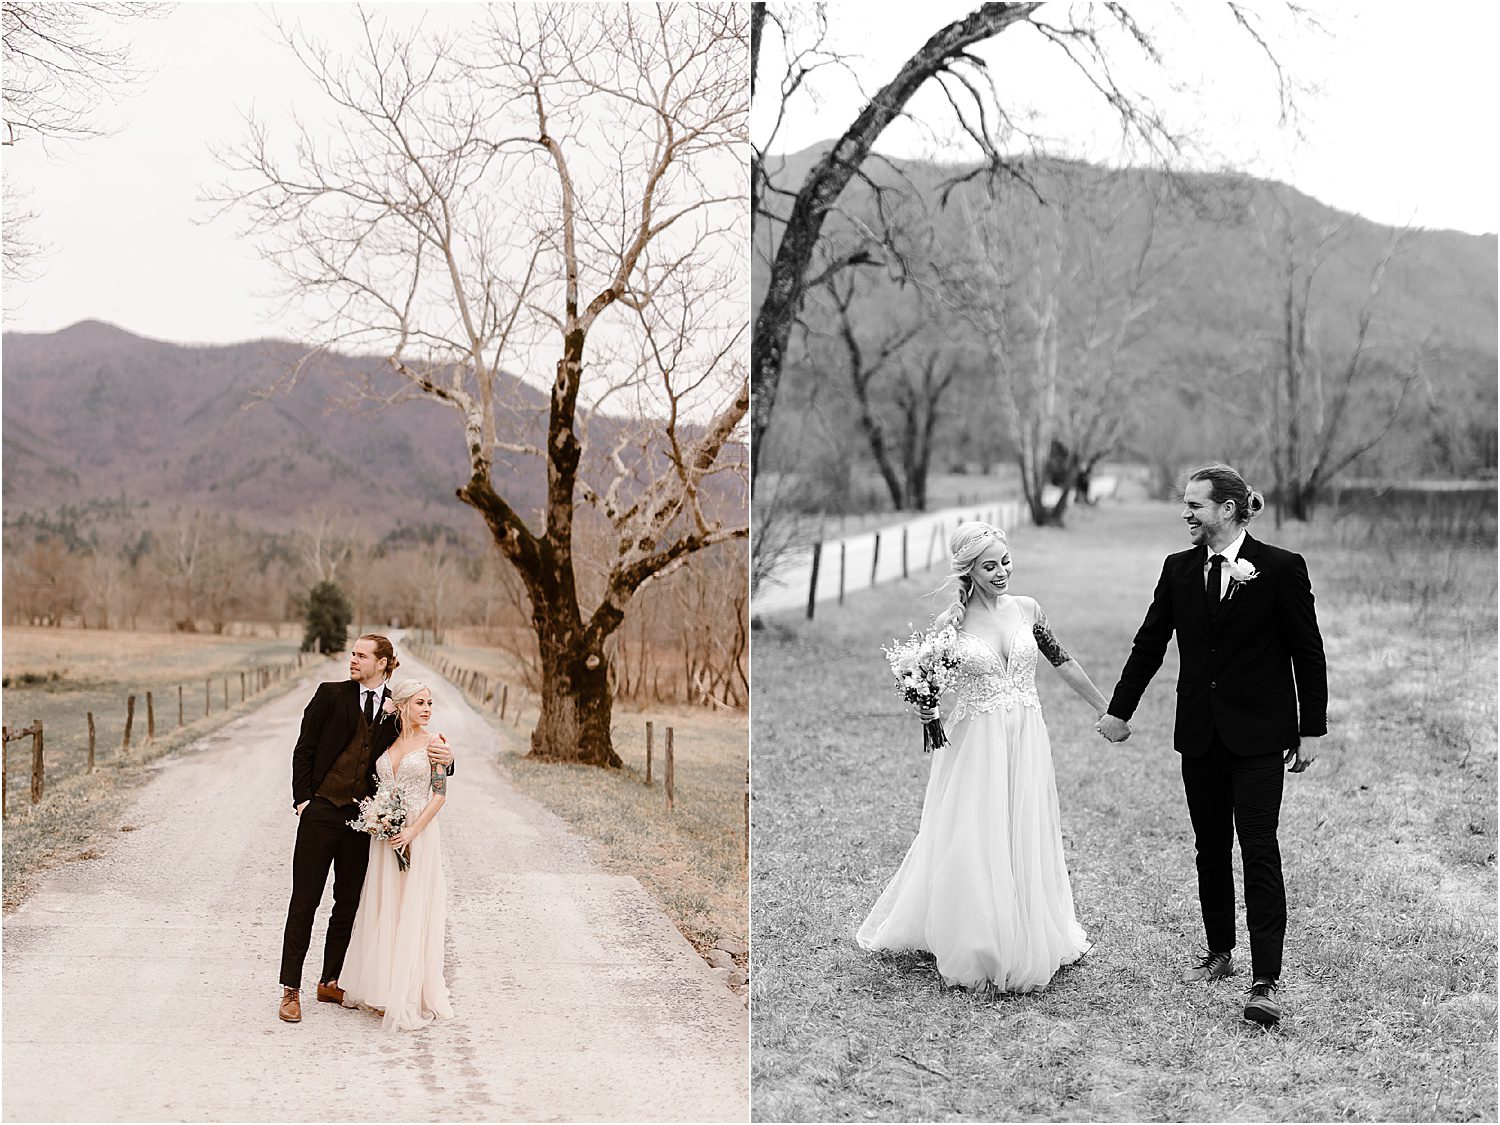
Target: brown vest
(348,779)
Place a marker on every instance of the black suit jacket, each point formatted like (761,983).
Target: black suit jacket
(328,723)
(1255,673)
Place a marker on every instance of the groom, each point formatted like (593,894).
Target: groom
(344,730)
(1252,685)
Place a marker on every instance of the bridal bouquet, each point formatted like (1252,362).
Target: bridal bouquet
(383,816)
(923,665)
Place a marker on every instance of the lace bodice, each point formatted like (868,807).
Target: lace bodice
(984,681)
(415,781)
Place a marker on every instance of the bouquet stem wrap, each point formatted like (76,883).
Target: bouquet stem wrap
(933,735)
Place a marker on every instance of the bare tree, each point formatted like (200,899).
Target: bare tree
(1322,377)
(61,62)
(1059,295)
(541,189)
(1091,41)
(324,542)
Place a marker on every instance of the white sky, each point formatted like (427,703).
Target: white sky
(130,242)
(1402,129)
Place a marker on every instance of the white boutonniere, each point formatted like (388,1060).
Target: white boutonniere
(1240,572)
(387,709)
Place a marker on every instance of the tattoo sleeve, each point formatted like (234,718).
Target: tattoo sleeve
(440,780)
(1046,642)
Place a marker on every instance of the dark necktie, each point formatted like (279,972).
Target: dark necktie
(369,706)
(1214,584)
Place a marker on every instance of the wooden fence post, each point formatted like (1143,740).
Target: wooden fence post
(812,587)
(504,699)
(4,772)
(91,742)
(150,718)
(208,695)
(180,723)
(875,560)
(648,753)
(671,778)
(129,722)
(843,559)
(242,687)
(38,766)
(905,573)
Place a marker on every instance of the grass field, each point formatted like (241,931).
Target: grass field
(58,676)
(1388,846)
(691,859)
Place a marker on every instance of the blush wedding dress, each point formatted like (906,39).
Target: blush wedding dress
(395,958)
(984,887)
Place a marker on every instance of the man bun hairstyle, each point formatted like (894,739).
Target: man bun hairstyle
(384,650)
(969,540)
(1226,484)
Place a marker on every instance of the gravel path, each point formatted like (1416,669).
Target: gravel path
(142,985)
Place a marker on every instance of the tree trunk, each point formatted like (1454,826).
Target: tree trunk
(787,284)
(576,701)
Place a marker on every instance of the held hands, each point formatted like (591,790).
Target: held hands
(927,714)
(1112,728)
(438,751)
(297,810)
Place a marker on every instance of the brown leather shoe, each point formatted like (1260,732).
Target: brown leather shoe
(330,993)
(291,1005)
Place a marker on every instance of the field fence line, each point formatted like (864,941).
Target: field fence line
(827,571)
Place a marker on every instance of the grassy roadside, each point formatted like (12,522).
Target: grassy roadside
(691,859)
(94,671)
(1388,844)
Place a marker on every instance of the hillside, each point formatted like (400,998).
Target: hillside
(1218,313)
(93,412)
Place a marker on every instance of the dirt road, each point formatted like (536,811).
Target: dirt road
(142,985)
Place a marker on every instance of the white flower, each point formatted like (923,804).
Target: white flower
(1241,571)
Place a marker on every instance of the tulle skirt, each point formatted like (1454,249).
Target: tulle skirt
(984,887)
(395,958)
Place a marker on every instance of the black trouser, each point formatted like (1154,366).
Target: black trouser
(1227,794)
(323,837)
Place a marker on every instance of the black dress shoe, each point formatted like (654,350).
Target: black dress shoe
(1211,966)
(1262,1007)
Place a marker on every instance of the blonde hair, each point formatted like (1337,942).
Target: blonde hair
(404,692)
(969,540)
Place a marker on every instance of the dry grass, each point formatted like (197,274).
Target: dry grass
(1388,846)
(690,859)
(78,671)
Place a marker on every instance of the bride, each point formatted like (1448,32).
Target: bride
(983,886)
(395,959)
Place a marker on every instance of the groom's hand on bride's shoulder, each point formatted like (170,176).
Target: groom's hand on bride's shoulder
(438,751)
(1113,728)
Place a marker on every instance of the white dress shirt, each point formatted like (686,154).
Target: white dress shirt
(364,699)
(1230,553)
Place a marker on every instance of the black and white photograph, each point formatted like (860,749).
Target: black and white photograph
(1123,563)
(376,562)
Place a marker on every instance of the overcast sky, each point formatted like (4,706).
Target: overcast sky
(131,241)
(1402,131)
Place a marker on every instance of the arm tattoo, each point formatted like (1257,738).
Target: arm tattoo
(1042,631)
(440,781)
